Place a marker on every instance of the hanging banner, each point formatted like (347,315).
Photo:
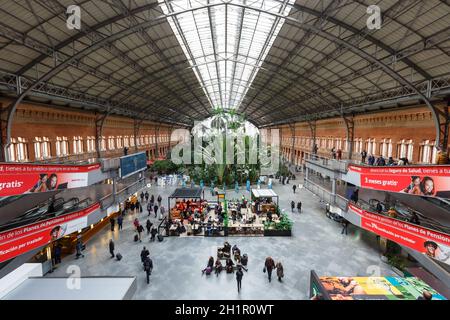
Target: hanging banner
(431,181)
(432,243)
(132,164)
(23,239)
(16,179)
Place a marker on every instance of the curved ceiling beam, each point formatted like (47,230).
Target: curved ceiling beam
(367,37)
(151,22)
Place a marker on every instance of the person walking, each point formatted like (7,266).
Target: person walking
(58,250)
(294,187)
(139,229)
(162,211)
(154,232)
(148,267)
(113,223)
(149,208)
(79,248)
(142,196)
(148,226)
(344,227)
(152,199)
(239,275)
(280,271)
(363,156)
(144,254)
(155,208)
(120,221)
(292,205)
(111,248)
(146,196)
(299,206)
(269,265)
(159,200)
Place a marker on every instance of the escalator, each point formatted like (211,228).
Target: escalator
(47,210)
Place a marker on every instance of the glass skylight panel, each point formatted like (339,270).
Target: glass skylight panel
(226,41)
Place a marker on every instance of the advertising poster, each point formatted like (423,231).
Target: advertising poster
(16,179)
(376,288)
(431,181)
(432,243)
(23,239)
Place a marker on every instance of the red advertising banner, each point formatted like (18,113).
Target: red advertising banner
(23,239)
(422,181)
(17,179)
(434,244)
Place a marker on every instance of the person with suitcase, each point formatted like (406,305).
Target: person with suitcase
(111,248)
(148,267)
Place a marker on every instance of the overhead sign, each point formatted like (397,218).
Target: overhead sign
(20,240)
(431,181)
(432,243)
(19,178)
(132,164)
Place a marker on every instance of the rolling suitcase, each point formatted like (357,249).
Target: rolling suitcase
(160,238)
(118,257)
(136,238)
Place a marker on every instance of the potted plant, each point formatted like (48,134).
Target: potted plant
(281,228)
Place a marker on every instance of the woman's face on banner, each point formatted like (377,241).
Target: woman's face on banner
(429,186)
(53,182)
(416,181)
(431,250)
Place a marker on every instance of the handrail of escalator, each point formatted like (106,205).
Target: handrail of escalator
(425,222)
(60,211)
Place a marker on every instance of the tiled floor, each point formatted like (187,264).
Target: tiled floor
(316,244)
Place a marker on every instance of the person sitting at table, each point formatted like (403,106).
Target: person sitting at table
(218,267)
(229,265)
(181,228)
(220,219)
(236,253)
(269,216)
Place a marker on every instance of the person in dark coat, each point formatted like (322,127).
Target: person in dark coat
(155,208)
(113,223)
(292,205)
(280,271)
(159,200)
(58,254)
(111,248)
(79,247)
(148,226)
(146,196)
(299,206)
(152,199)
(269,265)
(120,221)
(239,275)
(294,187)
(344,227)
(154,232)
(144,254)
(142,196)
(148,267)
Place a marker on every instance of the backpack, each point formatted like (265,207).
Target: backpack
(118,257)
(208,270)
(136,238)
(160,238)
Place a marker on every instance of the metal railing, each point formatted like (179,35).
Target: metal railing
(326,195)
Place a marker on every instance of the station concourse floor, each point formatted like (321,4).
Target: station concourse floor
(316,244)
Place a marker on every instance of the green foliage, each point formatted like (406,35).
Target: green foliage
(165,167)
(284,224)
